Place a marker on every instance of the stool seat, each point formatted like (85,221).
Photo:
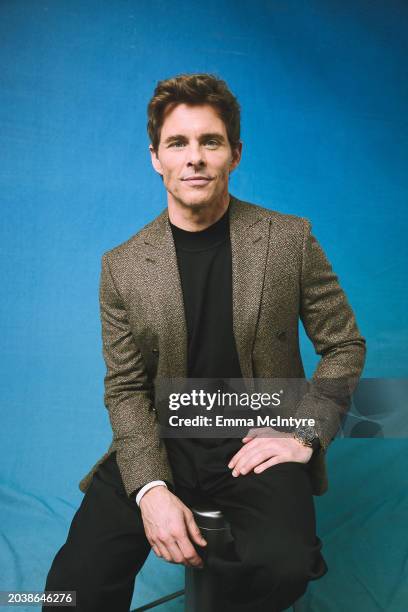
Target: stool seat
(208,517)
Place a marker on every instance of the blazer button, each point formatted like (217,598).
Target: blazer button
(155,351)
(281,335)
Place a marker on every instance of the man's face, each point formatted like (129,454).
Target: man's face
(194,156)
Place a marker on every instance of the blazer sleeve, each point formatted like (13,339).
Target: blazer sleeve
(330,324)
(140,452)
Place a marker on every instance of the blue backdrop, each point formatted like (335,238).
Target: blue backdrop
(324,91)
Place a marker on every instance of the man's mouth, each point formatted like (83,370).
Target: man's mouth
(197,180)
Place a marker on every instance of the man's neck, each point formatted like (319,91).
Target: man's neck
(195,220)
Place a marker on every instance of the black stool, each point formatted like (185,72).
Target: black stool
(201,588)
(201,585)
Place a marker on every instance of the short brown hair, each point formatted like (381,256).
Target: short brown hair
(193,89)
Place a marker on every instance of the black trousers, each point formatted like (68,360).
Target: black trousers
(272,516)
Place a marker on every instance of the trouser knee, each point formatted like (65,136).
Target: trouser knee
(284,572)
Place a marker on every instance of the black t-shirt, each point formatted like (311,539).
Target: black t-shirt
(205,266)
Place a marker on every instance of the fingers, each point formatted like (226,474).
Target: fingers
(175,554)
(273,461)
(160,551)
(245,457)
(256,438)
(194,530)
(195,534)
(241,453)
(251,434)
(262,447)
(176,547)
(192,558)
(180,551)
(251,460)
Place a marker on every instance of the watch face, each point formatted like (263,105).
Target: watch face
(307,434)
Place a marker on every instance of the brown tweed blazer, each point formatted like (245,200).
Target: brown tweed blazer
(279,274)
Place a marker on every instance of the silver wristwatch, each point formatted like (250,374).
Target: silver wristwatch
(307,436)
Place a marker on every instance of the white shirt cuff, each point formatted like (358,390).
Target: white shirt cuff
(148,486)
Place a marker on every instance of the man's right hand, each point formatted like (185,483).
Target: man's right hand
(170,527)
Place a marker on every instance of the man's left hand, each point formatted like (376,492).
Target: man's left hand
(264,447)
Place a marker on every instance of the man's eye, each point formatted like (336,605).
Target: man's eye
(212,144)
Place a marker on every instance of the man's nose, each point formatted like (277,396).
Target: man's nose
(195,156)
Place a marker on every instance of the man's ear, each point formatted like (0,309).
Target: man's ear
(236,156)
(155,160)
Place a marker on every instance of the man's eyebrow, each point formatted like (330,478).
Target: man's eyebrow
(216,135)
(205,136)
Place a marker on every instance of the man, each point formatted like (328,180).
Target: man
(212,288)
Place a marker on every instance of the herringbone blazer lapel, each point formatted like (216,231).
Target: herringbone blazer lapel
(249,233)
